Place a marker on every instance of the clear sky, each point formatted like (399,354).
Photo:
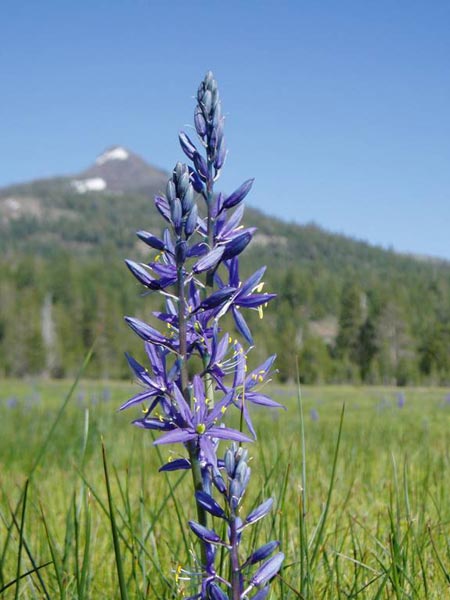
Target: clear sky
(339,109)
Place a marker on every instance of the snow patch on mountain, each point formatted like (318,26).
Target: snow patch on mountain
(93,184)
(117,153)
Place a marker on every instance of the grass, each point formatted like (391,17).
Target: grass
(368,519)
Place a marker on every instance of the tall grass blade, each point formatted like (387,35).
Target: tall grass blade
(439,559)
(302,508)
(27,574)
(112,519)
(19,553)
(57,563)
(318,534)
(52,429)
(31,559)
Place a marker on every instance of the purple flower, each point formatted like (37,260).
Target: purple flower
(247,295)
(200,423)
(196,270)
(245,387)
(157,385)
(314,414)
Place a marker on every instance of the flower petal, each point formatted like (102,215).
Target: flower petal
(226,433)
(242,325)
(238,195)
(260,511)
(268,570)
(209,504)
(176,436)
(209,261)
(262,553)
(205,534)
(176,465)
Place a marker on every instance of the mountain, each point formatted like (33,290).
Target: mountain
(119,170)
(70,211)
(348,310)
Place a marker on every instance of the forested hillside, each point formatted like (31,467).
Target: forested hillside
(348,311)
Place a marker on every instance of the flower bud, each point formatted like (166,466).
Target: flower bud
(177,172)
(180,252)
(260,512)
(235,493)
(142,275)
(220,156)
(205,534)
(219,483)
(171,192)
(176,215)
(268,570)
(230,462)
(186,145)
(210,505)
(200,122)
(191,221)
(238,195)
(240,469)
(162,206)
(197,183)
(262,553)
(201,166)
(209,79)
(237,245)
(187,200)
(182,181)
(206,103)
(151,240)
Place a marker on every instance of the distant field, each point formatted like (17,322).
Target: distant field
(382,532)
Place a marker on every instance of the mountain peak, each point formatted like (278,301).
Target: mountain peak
(112,153)
(120,170)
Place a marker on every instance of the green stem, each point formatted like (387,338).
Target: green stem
(192,447)
(234,561)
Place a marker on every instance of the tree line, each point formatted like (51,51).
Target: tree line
(349,324)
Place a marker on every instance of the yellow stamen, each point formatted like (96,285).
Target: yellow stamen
(178,573)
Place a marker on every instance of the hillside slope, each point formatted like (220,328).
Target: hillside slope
(348,309)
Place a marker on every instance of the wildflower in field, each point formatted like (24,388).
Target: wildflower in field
(196,270)
(401,399)
(314,414)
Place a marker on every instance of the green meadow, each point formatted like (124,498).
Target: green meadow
(360,478)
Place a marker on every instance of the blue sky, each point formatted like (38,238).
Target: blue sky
(340,110)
